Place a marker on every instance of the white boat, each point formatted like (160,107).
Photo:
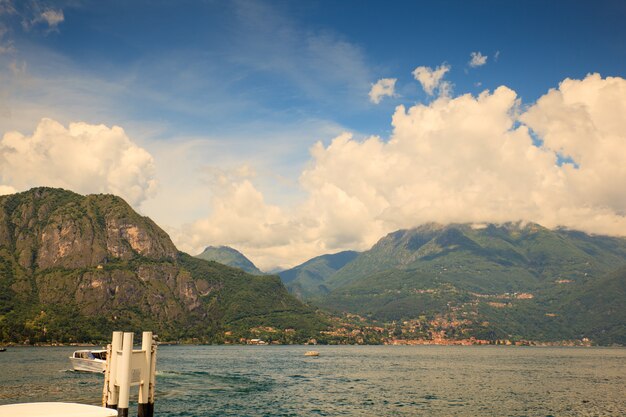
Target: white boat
(89,360)
(135,367)
(312,353)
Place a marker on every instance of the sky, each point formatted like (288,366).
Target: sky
(291,129)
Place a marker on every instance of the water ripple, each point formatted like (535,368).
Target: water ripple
(346,381)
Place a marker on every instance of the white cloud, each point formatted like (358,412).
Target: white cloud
(477,59)
(431,79)
(30,14)
(463,159)
(52,17)
(84,158)
(383,87)
(48,17)
(445,89)
(586,120)
(5,189)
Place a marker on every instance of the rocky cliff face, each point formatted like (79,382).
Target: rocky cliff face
(93,256)
(54,228)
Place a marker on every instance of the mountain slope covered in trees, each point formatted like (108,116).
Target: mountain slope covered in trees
(73,268)
(308,278)
(494,281)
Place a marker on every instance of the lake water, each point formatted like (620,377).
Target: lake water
(346,380)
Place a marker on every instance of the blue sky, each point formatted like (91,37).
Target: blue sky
(213,86)
(198,66)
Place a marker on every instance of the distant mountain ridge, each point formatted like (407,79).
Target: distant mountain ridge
(517,279)
(526,254)
(229,256)
(307,279)
(73,268)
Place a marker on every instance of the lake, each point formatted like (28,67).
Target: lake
(345,380)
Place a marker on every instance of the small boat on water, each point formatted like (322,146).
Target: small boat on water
(135,367)
(89,360)
(312,353)
(3,349)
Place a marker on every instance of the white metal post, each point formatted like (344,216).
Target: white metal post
(124,375)
(144,386)
(107,375)
(113,393)
(152,380)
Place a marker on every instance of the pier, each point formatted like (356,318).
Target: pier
(125,367)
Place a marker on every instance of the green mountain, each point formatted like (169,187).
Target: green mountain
(497,281)
(594,308)
(229,256)
(606,324)
(308,279)
(74,268)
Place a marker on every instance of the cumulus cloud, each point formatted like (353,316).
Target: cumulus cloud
(432,79)
(383,87)
(586,121)
(463,159)
(477,59)
(82,157)
(242,218)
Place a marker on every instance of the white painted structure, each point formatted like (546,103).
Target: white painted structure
(55,410)
(124,368)
(127,367)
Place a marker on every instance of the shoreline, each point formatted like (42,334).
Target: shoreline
(459,343)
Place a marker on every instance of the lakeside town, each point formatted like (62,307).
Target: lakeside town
(352,329)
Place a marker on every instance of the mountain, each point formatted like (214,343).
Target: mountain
(308,278)
(606,324)
(73,268)
(494,258)
(495,281)
(594,309)
(229,256)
